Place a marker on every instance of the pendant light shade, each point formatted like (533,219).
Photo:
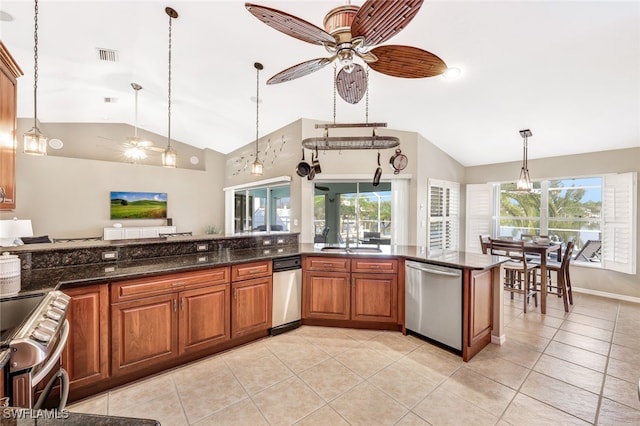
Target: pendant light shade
(524,184)
(170,156)
(257,167)
(34,142)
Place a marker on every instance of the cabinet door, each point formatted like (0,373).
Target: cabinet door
(478,311)
(251,306)
(113,234)
(86,355)
(374,297)
(144,332)
(9,71)
(325,295)
(204,317)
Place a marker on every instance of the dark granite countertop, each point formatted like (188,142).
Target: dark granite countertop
(42,280)
(25,417)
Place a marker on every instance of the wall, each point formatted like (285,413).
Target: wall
(69,197)
(615,161)
(425,161)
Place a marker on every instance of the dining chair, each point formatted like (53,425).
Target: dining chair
(563,278)
(520,275)
(485,240)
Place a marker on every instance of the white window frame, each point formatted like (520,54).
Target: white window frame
(618,224)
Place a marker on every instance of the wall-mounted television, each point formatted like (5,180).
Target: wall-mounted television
(138,205)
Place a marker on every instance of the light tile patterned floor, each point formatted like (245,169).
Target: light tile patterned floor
(561,368)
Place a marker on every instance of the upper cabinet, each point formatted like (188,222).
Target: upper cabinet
(9,72)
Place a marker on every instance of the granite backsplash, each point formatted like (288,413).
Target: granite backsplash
(54,255)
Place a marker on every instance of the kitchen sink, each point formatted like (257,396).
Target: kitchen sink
(346,250)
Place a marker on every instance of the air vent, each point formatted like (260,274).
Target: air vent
(107,55)
(110,100)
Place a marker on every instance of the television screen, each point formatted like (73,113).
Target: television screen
(138,205)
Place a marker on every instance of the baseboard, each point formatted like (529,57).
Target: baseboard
(498,340)
(606,294)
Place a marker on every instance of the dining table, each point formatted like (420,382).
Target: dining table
(543,250)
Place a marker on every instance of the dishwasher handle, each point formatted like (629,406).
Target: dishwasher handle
(433,271)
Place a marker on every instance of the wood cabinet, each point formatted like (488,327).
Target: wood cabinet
(86,355)
(9,72)
(252,290)
(477,311)
(156,319)
(357,289)
(326,295)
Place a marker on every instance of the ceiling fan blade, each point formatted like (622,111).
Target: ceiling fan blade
(379,20)
(352,86)
(300,70)
(290,25)
(407,62)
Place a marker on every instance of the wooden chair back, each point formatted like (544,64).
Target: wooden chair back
(509,248)
(485,241)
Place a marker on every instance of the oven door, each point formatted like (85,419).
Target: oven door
(39,380)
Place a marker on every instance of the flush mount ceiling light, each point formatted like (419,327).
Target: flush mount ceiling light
(256,167)
(524,184)
(34,142)
(169,156)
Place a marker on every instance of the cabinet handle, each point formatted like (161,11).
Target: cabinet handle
(178,284)
(235,294)
(175,305)
(182,304)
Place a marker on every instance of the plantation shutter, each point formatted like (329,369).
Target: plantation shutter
(619,211)
(479,210)
(443,215)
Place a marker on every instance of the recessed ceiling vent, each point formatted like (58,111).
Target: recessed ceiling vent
(108,100)
(107,55)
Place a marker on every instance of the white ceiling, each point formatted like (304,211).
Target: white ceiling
(568,70)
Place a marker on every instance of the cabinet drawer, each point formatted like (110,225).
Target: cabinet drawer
(250,270)
(322,263)
(388,266)
(161,284)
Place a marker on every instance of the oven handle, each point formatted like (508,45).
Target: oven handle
(54,358)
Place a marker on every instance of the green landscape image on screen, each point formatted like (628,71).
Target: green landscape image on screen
(138,205)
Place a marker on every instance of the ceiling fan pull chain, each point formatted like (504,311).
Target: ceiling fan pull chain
(335,89)
(366,106)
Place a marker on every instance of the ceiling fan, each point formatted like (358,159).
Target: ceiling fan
(356,31)
(135,146)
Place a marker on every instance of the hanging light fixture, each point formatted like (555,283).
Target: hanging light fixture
(524,184)
(256,167)
(34,142)
(169,156)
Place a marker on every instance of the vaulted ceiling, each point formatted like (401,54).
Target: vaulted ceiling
(567,70)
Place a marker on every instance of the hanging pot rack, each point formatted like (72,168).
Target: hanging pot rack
(373,141)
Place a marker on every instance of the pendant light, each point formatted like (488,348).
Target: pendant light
(169,156)
(34,142)
(524,184)
(256,167)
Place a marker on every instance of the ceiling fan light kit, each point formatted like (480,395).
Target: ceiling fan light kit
(524,183)
(169,156)
(34,142)
(353,32)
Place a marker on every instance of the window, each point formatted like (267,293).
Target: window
(599,213)
(352,213)
(443,215)
(565,209)
(253,207)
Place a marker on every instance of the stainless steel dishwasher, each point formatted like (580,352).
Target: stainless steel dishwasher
(287,294)
(433,303)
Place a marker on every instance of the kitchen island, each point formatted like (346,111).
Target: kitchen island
(170,283)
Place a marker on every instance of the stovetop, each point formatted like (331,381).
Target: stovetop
(14,312)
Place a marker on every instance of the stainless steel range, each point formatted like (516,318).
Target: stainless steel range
(36,330)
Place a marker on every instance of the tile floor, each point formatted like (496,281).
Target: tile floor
(561,368)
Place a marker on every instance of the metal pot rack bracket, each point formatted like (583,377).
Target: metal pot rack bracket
(372,141)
